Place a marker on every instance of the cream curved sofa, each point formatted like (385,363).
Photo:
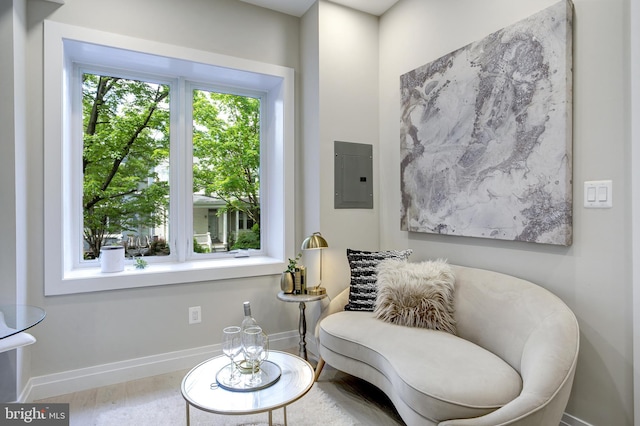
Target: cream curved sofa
(512,362)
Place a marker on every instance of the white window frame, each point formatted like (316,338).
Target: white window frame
(67,46)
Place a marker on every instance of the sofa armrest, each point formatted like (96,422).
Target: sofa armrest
(337,304)
(535,406)
(525,410)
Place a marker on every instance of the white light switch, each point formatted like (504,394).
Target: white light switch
(598,194)
(602,193)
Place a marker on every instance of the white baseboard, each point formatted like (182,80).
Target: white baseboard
(569,420)
(108,374)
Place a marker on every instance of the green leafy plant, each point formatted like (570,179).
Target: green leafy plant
(125,140)
(293,263)
(248,239)
(141,263)
(199,248)
(226,142)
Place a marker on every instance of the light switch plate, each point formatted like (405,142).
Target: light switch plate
(598,194)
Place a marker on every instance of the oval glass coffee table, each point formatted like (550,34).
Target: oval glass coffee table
(201,390)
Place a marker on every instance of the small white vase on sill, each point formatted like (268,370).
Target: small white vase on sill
(112,259)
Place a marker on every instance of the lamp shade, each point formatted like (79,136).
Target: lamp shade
(315,241)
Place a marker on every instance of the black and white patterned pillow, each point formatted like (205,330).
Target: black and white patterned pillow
(363,289)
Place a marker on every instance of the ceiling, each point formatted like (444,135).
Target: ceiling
(299,7)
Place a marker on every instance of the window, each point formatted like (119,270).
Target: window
(176,154)
(226,168)
(125,165)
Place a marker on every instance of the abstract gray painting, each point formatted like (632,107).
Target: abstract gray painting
(486,136)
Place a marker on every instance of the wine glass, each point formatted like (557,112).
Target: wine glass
(132,247)
(143,245)
(231,347)
(253,345)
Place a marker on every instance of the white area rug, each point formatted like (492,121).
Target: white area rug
(315,408)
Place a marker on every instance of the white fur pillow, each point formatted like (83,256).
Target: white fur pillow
(416,294)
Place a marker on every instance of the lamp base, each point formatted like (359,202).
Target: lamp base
(316,291)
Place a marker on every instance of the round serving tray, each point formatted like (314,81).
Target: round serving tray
(269,373)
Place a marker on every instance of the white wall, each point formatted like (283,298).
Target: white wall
(99,328)
(339,60)
(9,31)
(634,111)
(13,169)
(593,276)
(348,112)
(309,166)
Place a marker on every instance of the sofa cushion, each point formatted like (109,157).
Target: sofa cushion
(439,375)
(362,290)
(416,294)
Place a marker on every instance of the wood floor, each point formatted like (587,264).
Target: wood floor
(361,400)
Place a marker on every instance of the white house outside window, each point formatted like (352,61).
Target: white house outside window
(174,153)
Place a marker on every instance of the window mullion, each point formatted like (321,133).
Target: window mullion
(188,166)
(179,170)
(73,205)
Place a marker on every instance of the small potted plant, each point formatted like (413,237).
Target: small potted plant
(287,281)
(140,263)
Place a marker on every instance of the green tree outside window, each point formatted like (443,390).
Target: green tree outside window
(126,156)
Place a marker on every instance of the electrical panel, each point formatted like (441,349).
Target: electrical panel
(353,172)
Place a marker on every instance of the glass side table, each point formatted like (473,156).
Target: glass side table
(302,323)
(14,320)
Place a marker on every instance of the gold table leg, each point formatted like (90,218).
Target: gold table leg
(318,370)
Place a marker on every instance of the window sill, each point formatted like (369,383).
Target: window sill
(91,279)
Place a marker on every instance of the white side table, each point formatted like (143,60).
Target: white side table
(302,323)
(200,388)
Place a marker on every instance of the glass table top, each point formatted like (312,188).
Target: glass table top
(295,381)
(15,319)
